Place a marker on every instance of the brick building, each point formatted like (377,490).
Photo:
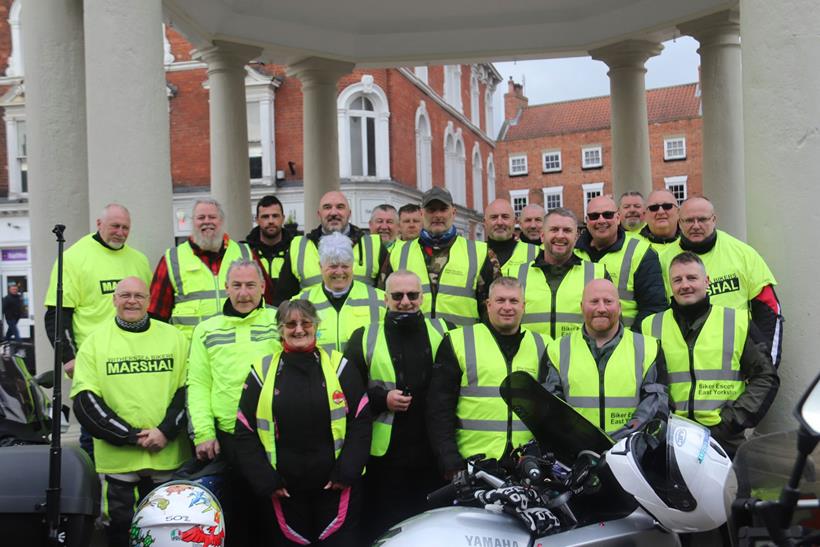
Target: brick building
(559,154)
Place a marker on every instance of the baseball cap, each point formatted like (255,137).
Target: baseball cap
(436,193)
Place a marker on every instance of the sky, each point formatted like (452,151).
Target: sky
(553,80)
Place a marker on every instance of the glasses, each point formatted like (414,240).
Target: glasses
(699,220)
(657,206)
(609,215)
(304,324)
(139,297)
(397,296)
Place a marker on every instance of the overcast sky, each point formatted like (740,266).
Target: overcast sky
(553,80)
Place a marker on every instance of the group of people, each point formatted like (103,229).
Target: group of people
(335,378)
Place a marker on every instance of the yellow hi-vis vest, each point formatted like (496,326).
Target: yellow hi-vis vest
(198,293)
(621,266)
(223,348)
(304,260)
(481,412)
(609,401)
(702,380)
(267,369)
(364,306)
(524,253)
(455,300)
(381,373)
(556,315)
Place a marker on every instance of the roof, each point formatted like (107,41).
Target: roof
(663,105)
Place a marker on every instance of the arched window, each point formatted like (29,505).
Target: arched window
(489,112)
(475,115)
(490,179)
(478,180)
(424,152)
(452,86)
(454,164)
(364,132)
(15,61)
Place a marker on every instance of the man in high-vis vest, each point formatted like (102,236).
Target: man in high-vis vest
(632,264)
(632,211)
(396,360)
(531,221)
(410,221)
(466,415)
(269,240)
(610,374)
(554,282)
(189,281)
(455,271)
(384,222)
(301,269)
(738,276)
(499,225)
(717,372)
(661,220)
(129,393)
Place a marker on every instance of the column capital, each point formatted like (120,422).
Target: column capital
(718,29)
(627,54)
(319,70)
(225,56)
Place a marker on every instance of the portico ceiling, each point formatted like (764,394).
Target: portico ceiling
(391,32)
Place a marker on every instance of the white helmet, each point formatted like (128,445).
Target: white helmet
(677,472)
(178,513)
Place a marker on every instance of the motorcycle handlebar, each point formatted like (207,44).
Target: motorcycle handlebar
(443,496)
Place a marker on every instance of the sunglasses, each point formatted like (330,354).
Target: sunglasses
(304,324)
(609,215)
(397,296)
(656,206)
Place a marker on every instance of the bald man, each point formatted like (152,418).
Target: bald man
(531,221)
(301,269)
(738,276)
(661,220)
(499,225)
(594,368)
(633,266)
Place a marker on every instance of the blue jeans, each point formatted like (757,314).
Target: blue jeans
(12,331)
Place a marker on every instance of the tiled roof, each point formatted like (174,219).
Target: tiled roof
(663,105)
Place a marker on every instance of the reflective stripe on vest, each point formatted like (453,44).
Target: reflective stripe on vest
(305,260)
(482,414)
(523,253)
(609,404)
(703,380)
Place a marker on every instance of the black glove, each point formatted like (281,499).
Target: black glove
(539,520)
(513,497)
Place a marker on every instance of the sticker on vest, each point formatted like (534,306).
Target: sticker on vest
(724,284)
(620,418)
(108,286)
(338,397)
(139,364)
(716,390)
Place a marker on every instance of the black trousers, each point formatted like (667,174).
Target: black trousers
(119,500)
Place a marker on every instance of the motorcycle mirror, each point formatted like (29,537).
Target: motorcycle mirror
(808,409)
(45,379)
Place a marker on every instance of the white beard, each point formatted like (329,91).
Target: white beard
(212,244)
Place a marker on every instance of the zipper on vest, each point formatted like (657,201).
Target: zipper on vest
(553,306)
(509,446)
(693,383)
(601,397)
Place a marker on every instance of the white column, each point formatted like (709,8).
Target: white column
(722,99)
(230,170)
(782,156)
(57,153)
(129,157)
(320,162)
(631,167)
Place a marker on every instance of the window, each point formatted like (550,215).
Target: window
(553,197)
(14,65)
(591,157)
(677,186)
(490,179)
(455,164)
(364,132)
(421,73)
(424,149)
(519,200)
(489,112)
(518,165)
(552,161)
(362,124)
(674,148)
(592,190)
(16,147)
(259,108)
(478,176)
(475,115)
(452,86)
(254,140)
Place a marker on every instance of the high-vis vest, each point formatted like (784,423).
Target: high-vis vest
(455,300)
(304,260)
(91,272)
(198,293)
(621,265)
(482,426)
(364,306)
(702,380)
(737,273)
(223,348)
(524,253)
(274,265)
(607,400)
(556,315)
(267,369)
(381,373)
(137,375)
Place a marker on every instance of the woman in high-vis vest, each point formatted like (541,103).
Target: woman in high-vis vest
(303,435)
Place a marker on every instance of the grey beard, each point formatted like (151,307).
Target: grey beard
(212,244)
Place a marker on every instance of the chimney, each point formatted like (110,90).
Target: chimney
(514,100)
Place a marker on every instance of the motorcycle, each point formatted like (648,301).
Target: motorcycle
(573,485)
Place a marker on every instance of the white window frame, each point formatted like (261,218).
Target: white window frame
(421,73)
(519,194)
(596,188)
(667,142)
(489,112)
(552,191)
(514,173)
(584,150)
(478,179)
(424,149)
(15,59)
(680,180)
(475,113)
(260,88)
(13,116)
(367,87)
(490,178)
(455,177)
(544,155)
(452,86)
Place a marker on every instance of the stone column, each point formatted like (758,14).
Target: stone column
(782,159)
(631,168)
(230,169)
(129,156)
(722,99)
(56,146)
(320,161)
